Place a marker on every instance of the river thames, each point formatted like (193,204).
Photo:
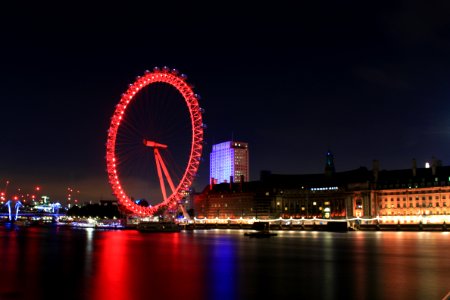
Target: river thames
(88,264)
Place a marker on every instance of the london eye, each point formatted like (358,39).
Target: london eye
(154,142)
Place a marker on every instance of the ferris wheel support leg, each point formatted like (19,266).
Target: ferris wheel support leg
(164,169)
(161,179)
(185,213)
(161,165)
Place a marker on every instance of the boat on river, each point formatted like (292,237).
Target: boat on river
(337,226)
(262,230)
(158,227)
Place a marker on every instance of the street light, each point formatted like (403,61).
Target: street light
(6,188)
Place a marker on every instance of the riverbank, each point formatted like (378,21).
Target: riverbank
(324,227)
(319,226)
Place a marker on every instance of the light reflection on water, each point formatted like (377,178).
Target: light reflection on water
(37,263)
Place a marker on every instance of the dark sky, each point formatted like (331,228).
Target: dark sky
(365,80)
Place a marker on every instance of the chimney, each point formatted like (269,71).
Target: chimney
(242,178)
(414,167)
(211,183)
(433,165)
(375,169)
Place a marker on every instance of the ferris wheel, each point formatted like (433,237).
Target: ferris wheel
(154,142)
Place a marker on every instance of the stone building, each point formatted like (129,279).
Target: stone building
(408,195)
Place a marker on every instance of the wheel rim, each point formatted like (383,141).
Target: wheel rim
(177,81)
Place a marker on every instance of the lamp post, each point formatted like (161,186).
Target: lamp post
(69,196)
(3,193)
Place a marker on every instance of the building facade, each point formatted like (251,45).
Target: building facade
(391,196)
(229,162)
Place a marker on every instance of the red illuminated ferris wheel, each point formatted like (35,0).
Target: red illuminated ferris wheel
(155,142)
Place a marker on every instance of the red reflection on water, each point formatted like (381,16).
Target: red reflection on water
(30,264)
(112,279)
(19,264)
(184,265)
(9,258)
(132,265)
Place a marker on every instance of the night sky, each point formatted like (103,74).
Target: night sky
(362,80)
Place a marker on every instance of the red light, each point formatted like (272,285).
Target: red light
(178,82)
(38,188)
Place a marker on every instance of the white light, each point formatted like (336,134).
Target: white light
(427,165)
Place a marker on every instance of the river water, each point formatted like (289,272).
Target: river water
(64,263)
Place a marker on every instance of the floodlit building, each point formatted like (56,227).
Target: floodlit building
(415,195)
(229,162)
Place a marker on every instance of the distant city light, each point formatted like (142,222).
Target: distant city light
(329,188)
(427,165)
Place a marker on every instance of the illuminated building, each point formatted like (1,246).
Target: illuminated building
(411,195)
(415,195)
(229,162)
